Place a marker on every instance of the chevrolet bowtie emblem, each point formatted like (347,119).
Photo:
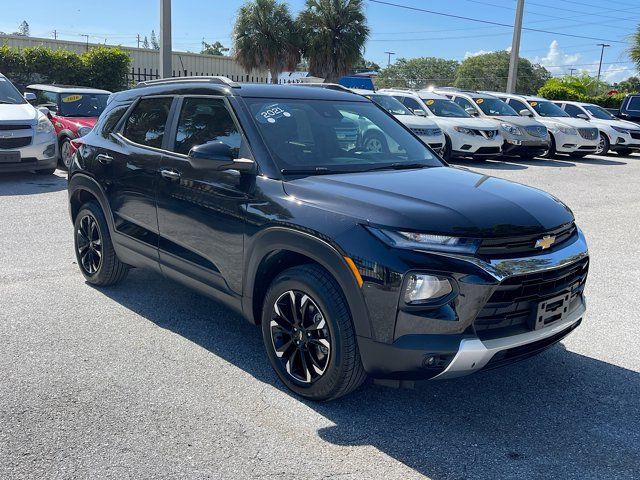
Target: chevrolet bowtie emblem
(545,242)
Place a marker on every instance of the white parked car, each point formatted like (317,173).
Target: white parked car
(425,128)
(616,135)
(27,139)
(523,137)
(466,135)
(572,136)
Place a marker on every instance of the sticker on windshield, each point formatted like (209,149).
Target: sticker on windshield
(71,98)
(429,102)
(272,113)
(533,104)
(479,100)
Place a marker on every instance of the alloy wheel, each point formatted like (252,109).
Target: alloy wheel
(373,145)
(65,153)
(89,244)
(300,336)
(601,146)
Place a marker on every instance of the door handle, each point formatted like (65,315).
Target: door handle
(104,158)
(170,174)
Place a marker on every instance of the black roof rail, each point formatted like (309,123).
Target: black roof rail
(328,86)
(218,80)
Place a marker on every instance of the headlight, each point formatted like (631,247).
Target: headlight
(510,129)
(420,287)
(466,131)
(44,125)
(82,131)
(621,130)
(426,241)
(563,129)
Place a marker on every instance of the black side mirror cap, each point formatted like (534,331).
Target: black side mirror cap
(219,156)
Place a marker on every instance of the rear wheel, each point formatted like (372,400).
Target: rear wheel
(603,145)
(308,334)
(96,257)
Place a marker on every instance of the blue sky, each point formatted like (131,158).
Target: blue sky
(408,33)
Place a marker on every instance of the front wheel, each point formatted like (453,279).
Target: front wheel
(65,153)
(446,151)
(95,254)
(603,145)
(308,334)
(551,153)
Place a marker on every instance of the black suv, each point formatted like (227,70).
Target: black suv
(354,262)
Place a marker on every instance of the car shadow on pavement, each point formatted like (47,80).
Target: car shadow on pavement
(27,183)
(596,161)
(558,415)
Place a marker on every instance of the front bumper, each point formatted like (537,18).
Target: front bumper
(40,154)
(445,342)
(474,146)
(525,148)
(574,143)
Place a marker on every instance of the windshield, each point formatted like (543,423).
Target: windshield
(390,104)
(599,112)
(9,93)
(320,136)
(547,109)
(442,107)
(495,107)
(82,104)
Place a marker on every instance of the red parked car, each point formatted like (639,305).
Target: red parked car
(72,110)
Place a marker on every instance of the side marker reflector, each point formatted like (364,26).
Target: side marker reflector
(354,270)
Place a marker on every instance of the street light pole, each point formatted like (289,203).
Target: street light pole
(515,48)
(165,39)
(389,57)
(603,45)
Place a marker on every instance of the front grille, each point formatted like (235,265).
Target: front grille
(588,133)
(635,134)
(427,132)
(507,246)
(513,305)
(537,131)
(487,133)
(14,142)
(7,126)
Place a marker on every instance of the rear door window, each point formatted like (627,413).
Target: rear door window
(464,103)
(573,110)
(148,121)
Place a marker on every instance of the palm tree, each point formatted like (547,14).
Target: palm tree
(265,37)
(634,50)
(334,33)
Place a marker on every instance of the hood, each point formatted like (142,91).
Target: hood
(614,123)
(518,120)
(569,121)
(23,112)
(78,121)
(473,122)
(444,200)
(414,121)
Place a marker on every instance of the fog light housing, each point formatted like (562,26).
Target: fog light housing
(50,151)
(420,288)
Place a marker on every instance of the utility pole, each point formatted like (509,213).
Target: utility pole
(87,38)
(603,45)
(389,57)
(165,39)
(515,48)
(55,34)
(571,70)
(138,37)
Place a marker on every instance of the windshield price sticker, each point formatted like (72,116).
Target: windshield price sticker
(429,102)
(479,100)
(71,98)
(533,104)
(272,113)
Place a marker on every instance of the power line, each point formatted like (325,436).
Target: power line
(489,22)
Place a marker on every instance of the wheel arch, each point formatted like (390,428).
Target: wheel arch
(82,189)
(278,248)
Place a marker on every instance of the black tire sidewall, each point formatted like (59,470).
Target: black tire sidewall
(324,387)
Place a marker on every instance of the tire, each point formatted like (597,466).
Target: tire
(326,322)
(65,157)
(96,257)
(446,151)
(624,152)
(604,145)
(551,153)
(375,142)
(46,171)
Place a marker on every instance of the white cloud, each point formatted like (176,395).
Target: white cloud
(616,73)
(556,61)
(481,52)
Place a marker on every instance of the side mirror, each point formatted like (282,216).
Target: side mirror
(583,116)
(525,113)
(30,97)
(219,156)
(45,111)
(419,112)
(471,111)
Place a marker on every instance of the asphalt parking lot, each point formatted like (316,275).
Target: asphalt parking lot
(150,380)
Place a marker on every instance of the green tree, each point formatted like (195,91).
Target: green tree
(215,48)
(630,85)
(489,71)
(23,29)
(418,73)
(145,43)
(334,33)
(265,37)
(364,65)
(634,49)
(154,41)
(575,86)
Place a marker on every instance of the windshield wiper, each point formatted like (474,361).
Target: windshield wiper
(398,166)
(8,102)
(312,171)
